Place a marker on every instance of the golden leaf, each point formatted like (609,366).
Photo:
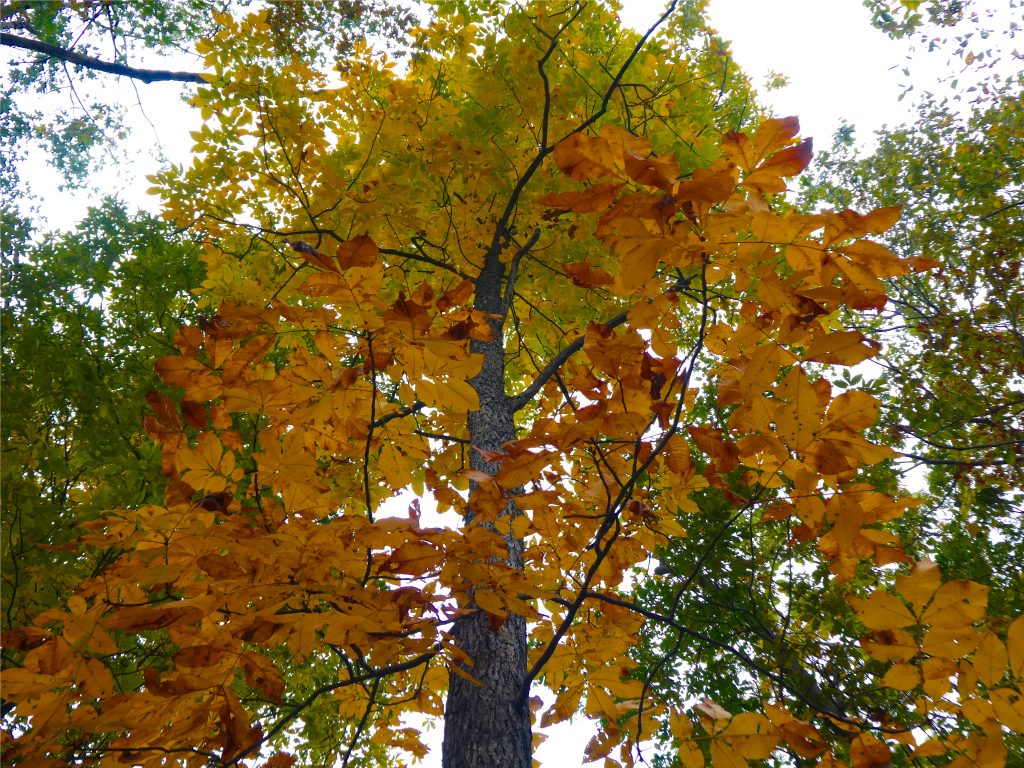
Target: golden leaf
(990,659)
(867,751)
(1015,645)
(882,611)
(902,677)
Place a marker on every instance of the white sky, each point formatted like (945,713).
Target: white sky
(839,67)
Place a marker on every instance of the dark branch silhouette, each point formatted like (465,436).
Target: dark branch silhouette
(91,62)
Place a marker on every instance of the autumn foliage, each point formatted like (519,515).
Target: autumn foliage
(535,279)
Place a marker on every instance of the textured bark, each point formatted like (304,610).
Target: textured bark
(487,725)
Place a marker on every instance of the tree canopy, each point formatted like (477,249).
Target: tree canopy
(516,390)
(57,47)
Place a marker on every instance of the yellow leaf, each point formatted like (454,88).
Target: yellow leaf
(455,396)
(831,762)
(890,645)
(981,713)
(761,369)
(458,670)
(1009,708)
(950,643)
(956,604)
(938,677)
(600,703)
(566,705)
(724,756)
(883,611)
(866,751)
(752,735)
(798,420)
(931,748)
(599,746)
(490,602)
(902,677)
(990,659)
(920,584)
(852,410)
(690,754)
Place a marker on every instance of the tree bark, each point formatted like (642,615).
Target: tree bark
(91,62)
(489,725)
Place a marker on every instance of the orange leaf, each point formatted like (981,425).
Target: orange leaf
(586,276)
(594,198)
(842,348)
(774,134)
(584,158)
(457,296)
(262,675)
(134,619)
(199,656)
(875,222)
(659,172)
(360,251)
(866,751)
(767,177)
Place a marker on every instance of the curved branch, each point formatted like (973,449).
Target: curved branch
(91,62)
(556,363)
(513,271)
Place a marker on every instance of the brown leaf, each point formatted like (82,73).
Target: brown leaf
(584,158)
(594,198)
(767,177)
(360,251)
(586,276)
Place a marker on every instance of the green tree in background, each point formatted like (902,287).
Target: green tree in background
(60,51)
(85,315)
(950,377)
(954,340)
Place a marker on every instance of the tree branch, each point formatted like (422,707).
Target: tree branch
(91,62)
(559,360)
(556,363)
(513,270)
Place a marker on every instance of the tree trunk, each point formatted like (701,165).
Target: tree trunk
(488,725)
